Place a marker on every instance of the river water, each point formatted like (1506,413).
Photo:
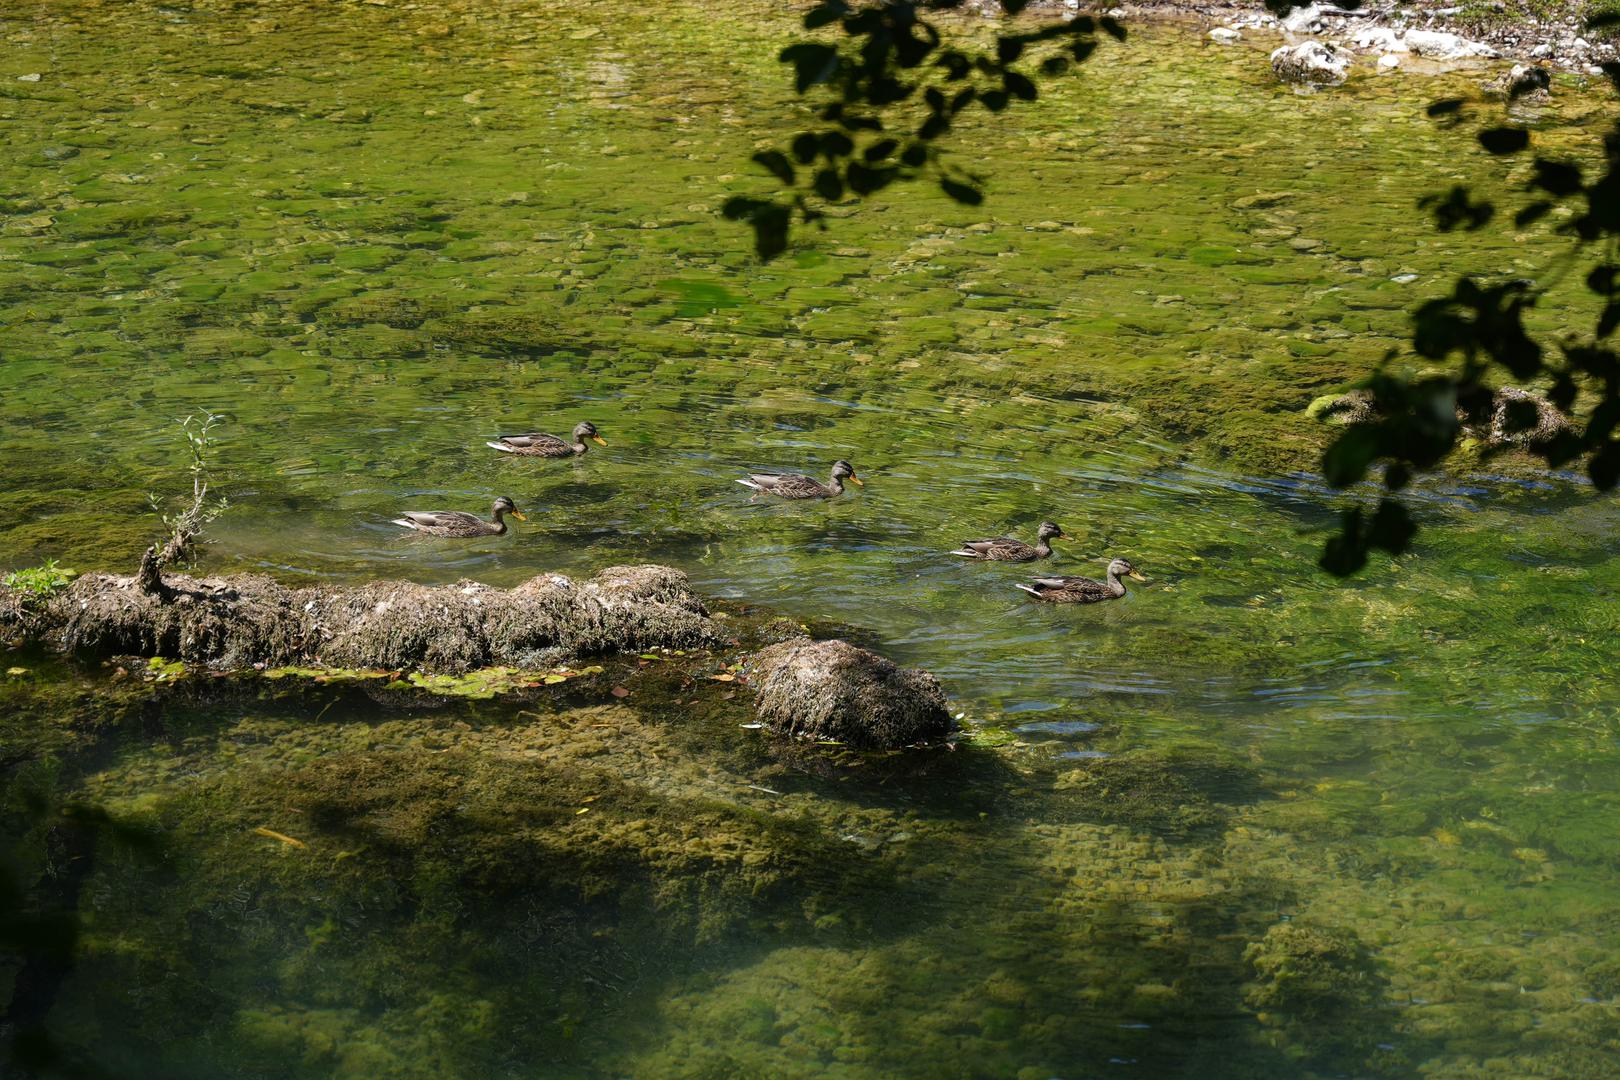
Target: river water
(1247,821)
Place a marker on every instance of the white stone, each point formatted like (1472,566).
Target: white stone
(32,77)
(1310,62)
(1225,35)
(1438,45)
(1379,39)
(1303,20)
(1389,60)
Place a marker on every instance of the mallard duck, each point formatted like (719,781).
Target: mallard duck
(1006,549)
(1083,590)
(797,486)
(539,444)
(459,522)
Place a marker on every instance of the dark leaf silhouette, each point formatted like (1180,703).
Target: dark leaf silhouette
(1504,140)
(1557,177)
(962,193)
(883,65)
(777,163)
(1456,210)
(829,186)
(1532,212)
(812,64)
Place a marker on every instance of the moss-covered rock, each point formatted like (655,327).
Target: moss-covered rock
(835,690)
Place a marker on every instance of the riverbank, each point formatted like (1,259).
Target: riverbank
(1552,34)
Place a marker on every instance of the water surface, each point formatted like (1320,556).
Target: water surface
(1258,822)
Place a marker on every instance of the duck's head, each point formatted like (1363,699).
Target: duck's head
(1123,568)
(587,430)
(843,470)
(504,505)
(1050,530)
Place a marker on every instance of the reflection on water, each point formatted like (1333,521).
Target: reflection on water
(1245,821)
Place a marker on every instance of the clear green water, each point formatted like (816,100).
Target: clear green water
(374,238)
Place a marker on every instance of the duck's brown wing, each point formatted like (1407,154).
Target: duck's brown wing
(999,549)
(1068,590)
(791,486)
(533,443)
(453,521)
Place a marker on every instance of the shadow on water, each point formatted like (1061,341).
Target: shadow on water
(348,882)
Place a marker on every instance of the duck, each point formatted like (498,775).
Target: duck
(539,444)
(1084,590)
(459,522)
(1007,549)
(798,486)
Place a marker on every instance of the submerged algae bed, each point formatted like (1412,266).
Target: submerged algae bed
(1260,823)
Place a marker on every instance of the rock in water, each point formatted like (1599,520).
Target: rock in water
(1310,63)
(1525,83)
(834,690)
(1225,35)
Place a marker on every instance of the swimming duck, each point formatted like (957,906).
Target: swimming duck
(797,486)
(459,522)
(539,444)
(1006,549)
(1083,590)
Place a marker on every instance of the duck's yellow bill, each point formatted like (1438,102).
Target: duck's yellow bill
(857,480)
(1137,575)
(520,515)
(598,440)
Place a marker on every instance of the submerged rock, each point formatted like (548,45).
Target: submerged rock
(1310,63)
(834,690)
(1525,83)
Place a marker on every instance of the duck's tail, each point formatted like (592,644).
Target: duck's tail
(408,524)
(752,484)
(1029,589)
(966,554)
(499,446)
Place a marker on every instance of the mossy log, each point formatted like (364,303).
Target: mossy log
(826,689)
(238,622)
